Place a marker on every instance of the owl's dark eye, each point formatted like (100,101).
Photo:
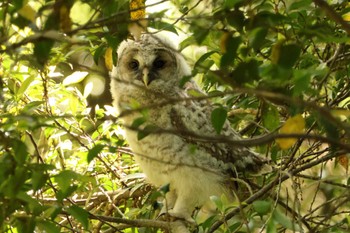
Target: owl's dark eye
(159,63)
(133,65)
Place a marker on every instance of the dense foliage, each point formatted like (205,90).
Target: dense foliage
(277,69)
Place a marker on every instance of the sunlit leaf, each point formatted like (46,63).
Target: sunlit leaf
(109,58)
(24,86)
(75,77)
(27,12)
(81,12)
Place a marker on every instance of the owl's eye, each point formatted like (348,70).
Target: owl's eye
(159,63)
(133,65)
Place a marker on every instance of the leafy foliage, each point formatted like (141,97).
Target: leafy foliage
(64,165)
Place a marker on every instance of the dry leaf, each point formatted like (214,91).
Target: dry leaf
(343,160)
(137,9)
(294,125)
(137,14)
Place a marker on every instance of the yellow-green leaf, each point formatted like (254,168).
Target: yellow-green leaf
(294,125)
(109,58)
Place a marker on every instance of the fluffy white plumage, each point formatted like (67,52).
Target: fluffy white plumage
(148,73)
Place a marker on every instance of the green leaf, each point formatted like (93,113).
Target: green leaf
(46,226)
(218,202)
(160,25)
(39,179)
(257,37)
(187,42)
(138,122)
(21,152)
(288,55)
(184,80)
(271,226)
(203,63)
(231,46)
(53,211)
(65,179)
(93,152)
(286,222)
(33,204)
(24,86)
(218,118)
(231,3)
(270,117)
(246,72)
(236,19)
(262,207)
(18,4)
(68,191)
(99,52)
(165,188)
(234,227)
(42,50)
(146,131)
(79,214)
(200,34)
(300,5)
(28,108)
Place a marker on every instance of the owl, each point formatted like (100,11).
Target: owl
(147,79)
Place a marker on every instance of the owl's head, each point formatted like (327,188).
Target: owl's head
(151,61)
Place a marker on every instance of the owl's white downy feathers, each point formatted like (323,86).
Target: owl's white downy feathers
(148,73)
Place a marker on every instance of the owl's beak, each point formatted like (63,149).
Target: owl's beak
(145,76)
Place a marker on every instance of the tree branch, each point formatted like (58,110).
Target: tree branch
(266,189)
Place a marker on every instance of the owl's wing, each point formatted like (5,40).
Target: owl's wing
(194,117)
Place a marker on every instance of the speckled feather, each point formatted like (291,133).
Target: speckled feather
(194,169)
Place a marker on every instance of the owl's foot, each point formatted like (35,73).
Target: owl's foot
(172,216)
(185,216)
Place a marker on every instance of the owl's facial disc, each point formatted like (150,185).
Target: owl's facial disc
(148,66)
